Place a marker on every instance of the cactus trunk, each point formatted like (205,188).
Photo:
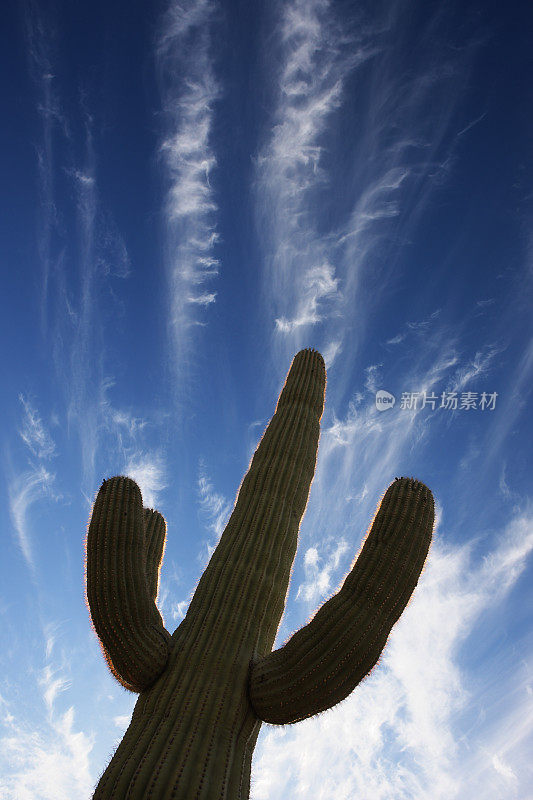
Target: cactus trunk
(207,689)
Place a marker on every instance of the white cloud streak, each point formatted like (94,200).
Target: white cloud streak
(24,491)
(318,284)
(27,488)
(476,368)
(215,510)
(34,433)
(288,168)
(189,91)
(330,352)
(419,327)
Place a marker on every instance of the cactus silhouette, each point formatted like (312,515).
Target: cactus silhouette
(205,690)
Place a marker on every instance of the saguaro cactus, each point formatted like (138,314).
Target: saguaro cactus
(205,690)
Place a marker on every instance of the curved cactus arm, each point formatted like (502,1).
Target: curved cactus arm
(155,531)
(323,662)
(124,550)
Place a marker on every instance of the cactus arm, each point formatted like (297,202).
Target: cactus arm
(155,535)
(124,548)
(323,662)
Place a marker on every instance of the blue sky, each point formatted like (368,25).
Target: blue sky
(192,192)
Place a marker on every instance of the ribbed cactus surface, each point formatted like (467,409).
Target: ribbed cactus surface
(205,690)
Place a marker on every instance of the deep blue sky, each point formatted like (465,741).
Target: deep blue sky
(191,193)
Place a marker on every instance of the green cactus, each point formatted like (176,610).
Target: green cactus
(205,690)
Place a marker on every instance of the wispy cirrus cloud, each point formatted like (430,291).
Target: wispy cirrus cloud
(416,327)
(395,736)
(331,351)
(189,90)
(318,284)
(123,421)
(34,433)
(24,491)
(32,485)
(215,509)
(476,368)
(309,88)
(348,225)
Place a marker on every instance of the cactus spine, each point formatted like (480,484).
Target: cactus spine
(205,690)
